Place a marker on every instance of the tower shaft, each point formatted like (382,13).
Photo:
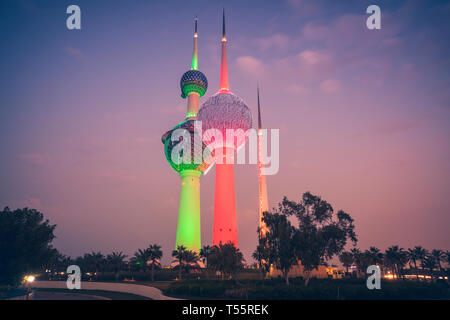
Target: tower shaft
(225,225)
(193,105)
(263,200)
(189,226)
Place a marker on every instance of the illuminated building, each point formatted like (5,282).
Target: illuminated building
(193,85)
(223,111)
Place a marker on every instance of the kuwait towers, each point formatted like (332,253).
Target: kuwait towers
(221,112)
(193,85)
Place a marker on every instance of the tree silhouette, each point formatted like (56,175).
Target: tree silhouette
(346,258)
(320,235)
(116,262)
(141,258)
(179,254)
(205,251)
(396,258)
(280,241)
(439,256)
(261,255)
(155,256)
(226,258)
(429,263)
(25,243)
(374,256)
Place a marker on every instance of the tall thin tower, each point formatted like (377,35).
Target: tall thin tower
(193,85)
(263,201)
(224,111)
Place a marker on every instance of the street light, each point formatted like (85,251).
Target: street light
(29,279)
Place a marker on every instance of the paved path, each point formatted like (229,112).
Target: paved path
(42,295)
(138,289)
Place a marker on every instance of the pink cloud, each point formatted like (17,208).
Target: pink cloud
(313,57)
(297,89)
(314,31)
(250,65)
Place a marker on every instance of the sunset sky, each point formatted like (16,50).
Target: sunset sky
(364,115)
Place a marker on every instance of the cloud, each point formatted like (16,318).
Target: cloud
(297,89)
(314,31)
(312,57)
(330,86)
(250,65)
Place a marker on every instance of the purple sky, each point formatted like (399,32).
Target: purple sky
(363,115)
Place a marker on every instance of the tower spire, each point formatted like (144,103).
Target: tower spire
(194,65)
(263,201)
(223,68)
(259,110)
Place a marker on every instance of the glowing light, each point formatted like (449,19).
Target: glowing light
(30,278)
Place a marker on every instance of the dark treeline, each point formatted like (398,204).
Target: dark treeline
(420,262)
(309,231)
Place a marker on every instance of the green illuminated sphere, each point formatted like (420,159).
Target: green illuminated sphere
(174,137)
(193,81)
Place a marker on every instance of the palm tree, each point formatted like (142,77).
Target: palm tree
(142,257)
(374,256)
(414,255)
(429,262)
(97,261)
(439,256)
(396,258)
(358,260)
(179,254)
(346,259)
(421,256)
(205,251)
(116,262)
(447,254)
(190,258)
(155,255)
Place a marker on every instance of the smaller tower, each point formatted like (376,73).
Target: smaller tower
(263,201)
(193,85)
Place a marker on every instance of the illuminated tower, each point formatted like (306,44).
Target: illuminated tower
(263,202)
(223,111)
(193,85)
